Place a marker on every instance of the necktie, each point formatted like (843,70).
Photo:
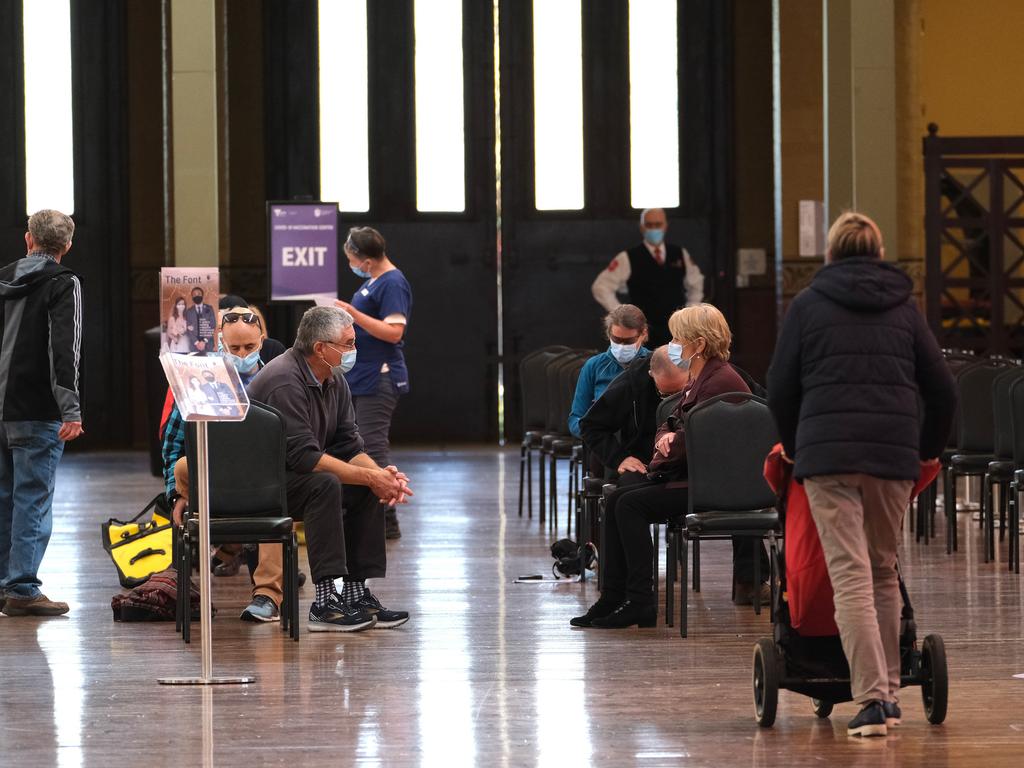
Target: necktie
(658,256)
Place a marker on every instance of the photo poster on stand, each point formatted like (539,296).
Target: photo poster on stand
(205,388)
(189,297)
(302,239)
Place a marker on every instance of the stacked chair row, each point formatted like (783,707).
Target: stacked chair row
(548,379)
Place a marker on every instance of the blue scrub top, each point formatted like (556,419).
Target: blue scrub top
(595,376)
(379,298)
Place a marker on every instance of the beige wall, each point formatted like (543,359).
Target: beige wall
(971,67)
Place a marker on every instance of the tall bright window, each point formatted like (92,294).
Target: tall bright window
(653,103)
(344,114)
(558,104)
(440,139)
(49,142)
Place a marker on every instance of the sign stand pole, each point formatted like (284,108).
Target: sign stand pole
(205,606)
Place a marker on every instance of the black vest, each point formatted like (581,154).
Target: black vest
(657,290)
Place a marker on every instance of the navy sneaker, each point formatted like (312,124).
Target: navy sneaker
(892,713)
(262,608)
(385,619)
(870,721)
(336,616)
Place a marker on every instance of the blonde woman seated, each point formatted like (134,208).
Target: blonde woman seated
(700,347)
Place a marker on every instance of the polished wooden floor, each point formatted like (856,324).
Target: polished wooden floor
(487,673)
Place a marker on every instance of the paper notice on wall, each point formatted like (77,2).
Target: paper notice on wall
(812,228)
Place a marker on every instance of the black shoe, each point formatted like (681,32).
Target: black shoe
(385,619)
(893,715)
(598,610)
(391,529)
(336,616)
(626,615)
(870,721)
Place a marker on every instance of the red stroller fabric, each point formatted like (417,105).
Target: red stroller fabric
(808,588)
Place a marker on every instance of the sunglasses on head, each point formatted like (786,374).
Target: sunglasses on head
(249,318)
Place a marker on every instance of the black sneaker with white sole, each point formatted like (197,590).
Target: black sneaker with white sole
(870,721)
(385,619)
(336,616)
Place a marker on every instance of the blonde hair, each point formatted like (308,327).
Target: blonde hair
(703,321)
(854,234)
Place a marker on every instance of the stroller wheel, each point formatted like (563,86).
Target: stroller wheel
(935,685)
(822,708)
(766,682)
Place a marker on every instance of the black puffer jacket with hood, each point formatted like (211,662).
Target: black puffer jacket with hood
(857,383)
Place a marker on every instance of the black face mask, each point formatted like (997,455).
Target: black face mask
(197,299)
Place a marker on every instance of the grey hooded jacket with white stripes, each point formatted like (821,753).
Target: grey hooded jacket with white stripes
(40,341)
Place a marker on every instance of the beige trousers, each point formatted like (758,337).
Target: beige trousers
(269,576)
(858,519)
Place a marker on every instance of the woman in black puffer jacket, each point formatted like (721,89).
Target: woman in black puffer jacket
(853,365)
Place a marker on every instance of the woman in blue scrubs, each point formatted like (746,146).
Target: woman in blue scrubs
(380,308)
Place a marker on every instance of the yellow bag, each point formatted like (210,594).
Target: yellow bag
(140,548)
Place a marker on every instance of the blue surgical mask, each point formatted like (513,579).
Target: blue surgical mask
(623,353)
(675,354)
(245,364)
(654,236)
(348,360)
(358,272)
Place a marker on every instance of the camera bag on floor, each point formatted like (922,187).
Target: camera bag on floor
(140,547)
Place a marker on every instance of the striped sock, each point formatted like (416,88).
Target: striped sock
(352,590)
(324,589)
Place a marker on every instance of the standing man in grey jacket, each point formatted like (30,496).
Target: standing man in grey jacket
(40,358)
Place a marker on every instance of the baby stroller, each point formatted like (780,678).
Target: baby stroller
(805,654)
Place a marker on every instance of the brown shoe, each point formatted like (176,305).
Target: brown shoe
(40,605)
(743,594)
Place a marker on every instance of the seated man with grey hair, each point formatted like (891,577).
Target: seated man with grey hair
(325,464)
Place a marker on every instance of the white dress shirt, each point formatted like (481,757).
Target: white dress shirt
(613,278)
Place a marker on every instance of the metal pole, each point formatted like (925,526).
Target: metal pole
(202,481)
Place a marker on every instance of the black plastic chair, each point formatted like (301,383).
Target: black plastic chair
(557,442)
(727,440)
(976,446)
(1017,484)
(533,385)
(1000,472)
(248,504)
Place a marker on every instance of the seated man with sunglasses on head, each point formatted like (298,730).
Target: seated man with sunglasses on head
(242,341)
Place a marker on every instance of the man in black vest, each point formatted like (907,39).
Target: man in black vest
(660,277)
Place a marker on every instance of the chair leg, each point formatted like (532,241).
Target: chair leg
(696,564)
(1003,493)
(176,560)
(655,535)
(286,597)
(1014,527)
(986,493)
(950,494)
(683,595)
(529,483)
(294,546)
(670,576)
(522,472)
(570,509)
(553,494)
(541,500)
(186,575)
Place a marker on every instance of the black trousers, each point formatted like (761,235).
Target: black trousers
(338,544)
(627,549)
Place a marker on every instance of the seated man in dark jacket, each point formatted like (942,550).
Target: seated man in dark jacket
(619,427)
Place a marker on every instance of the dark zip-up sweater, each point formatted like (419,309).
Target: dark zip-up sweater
(40,340)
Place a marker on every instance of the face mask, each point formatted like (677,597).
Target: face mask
(675,354)
(623,353)
(244,364)
(348,360)
(197,299)
(654,236)
(359,272)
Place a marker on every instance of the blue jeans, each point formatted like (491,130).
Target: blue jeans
(29,452)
